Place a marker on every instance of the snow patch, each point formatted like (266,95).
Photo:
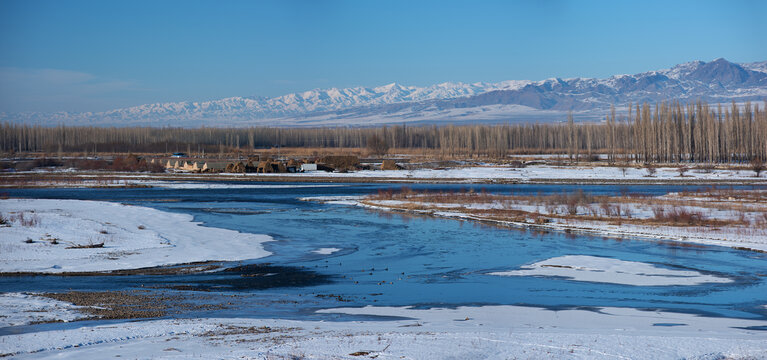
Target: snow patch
(201,185)
(488,332)
(132,237)
(614,271)
(22,309)
(326,251)
(537,172)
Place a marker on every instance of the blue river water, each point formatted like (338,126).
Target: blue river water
(397,260)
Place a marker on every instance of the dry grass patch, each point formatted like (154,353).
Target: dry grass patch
(117,304)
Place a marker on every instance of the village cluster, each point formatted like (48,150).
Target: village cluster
(254,164)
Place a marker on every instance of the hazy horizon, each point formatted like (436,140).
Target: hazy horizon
(90,56)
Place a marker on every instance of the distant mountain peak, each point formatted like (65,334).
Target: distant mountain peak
(389,87)
(722,72)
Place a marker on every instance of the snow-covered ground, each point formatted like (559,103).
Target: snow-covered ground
(133,237)
(615,271)
(538,172)
(80,182)
(469,174)
(22,309)
(488,332)
(200,185)
(131,180)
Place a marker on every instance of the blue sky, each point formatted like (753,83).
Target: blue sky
(99,55)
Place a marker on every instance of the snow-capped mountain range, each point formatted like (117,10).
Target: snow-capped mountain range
(718,81)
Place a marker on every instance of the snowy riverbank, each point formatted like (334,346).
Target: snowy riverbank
(64,236)
(489,173)
(489,332)
(542,172)
(738,223)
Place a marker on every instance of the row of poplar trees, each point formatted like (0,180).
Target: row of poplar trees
(666,132)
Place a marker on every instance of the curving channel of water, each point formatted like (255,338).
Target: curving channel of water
(392,259)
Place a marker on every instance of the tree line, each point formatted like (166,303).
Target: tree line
(667,132)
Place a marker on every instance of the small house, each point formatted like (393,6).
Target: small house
(309,167)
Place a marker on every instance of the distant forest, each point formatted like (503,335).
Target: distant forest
(666,132)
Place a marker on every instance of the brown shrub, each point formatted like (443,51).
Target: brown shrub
(389,165)
(130,163)
(46,162)
(341,162)
(377,145)
(25,220)
(651,170)
(757,165)
(133,163)
(679,215)
(91,164)
(384,194)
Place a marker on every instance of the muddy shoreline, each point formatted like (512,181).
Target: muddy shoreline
(176,269)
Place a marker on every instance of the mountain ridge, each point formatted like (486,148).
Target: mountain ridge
(513,100)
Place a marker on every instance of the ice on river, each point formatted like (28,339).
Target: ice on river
(614,271)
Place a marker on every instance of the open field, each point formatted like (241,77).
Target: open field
(417,173)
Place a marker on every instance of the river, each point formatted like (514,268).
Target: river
(401,260)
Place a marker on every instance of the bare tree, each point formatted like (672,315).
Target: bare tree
(377,145)
(668,132)
(651,170)
(757,165)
